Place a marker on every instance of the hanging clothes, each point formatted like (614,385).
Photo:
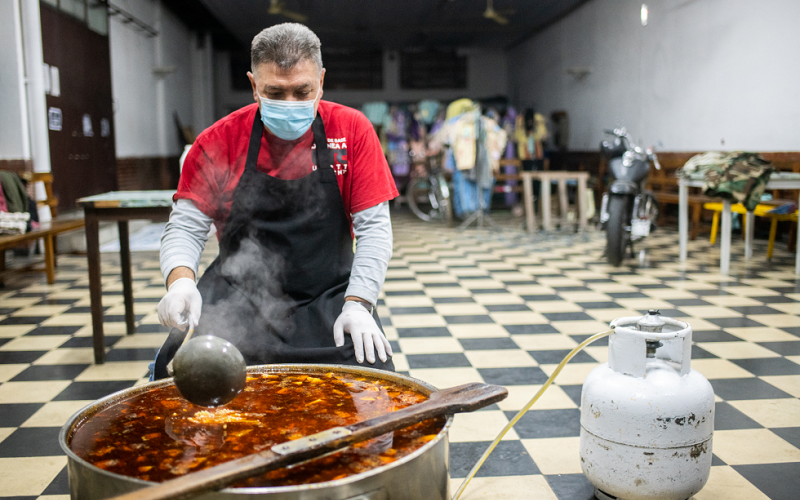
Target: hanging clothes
(477,144)
(416,140)
(496,140)
(465,196)
(375,112)
(508,122)
(521,138)
(459,107)
(461,137)
(539,134)
(427,110)
(14,190)
(397,137)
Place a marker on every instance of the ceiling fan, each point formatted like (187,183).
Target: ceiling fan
(494,15)
(278,8)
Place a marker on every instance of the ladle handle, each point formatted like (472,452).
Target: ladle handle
(459,399)
(170,369)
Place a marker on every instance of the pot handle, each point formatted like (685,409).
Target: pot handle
(379,494)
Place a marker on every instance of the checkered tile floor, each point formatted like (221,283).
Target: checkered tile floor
(459,307)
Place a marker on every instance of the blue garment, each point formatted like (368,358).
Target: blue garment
(428,110)
(465,195)
(376,112)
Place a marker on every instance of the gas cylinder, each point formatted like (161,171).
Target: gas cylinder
(647,418)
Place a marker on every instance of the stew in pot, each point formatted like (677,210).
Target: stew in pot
(158,435)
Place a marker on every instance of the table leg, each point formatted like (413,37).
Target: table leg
(563,201)
(95,284)
(544,194)
(683,219)
(797,250)
(530,211)
(582,222)
(49,259)
(725,246)
(127,279)
(748,235)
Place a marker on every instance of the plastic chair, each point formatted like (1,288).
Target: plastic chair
(761,210)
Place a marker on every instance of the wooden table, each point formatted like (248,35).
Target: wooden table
(776,181)
(120,206)
(546,177)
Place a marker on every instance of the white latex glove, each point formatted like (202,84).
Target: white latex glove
(180,307)
(367,337)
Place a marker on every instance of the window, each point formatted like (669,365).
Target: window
(97,17)
(95,14)
(353,69)
(433,69)
(76,8)
(240,65)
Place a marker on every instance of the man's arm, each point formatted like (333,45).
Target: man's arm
(183,241)
(373,230)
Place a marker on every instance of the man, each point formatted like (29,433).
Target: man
(287,182)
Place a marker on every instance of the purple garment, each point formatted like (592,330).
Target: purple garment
(508,124)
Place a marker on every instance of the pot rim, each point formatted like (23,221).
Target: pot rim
(96,406)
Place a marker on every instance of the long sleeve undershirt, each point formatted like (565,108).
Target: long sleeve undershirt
(186,234)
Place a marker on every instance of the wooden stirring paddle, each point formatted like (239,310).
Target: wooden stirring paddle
(464,398)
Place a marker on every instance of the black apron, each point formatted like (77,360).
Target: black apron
(279,282)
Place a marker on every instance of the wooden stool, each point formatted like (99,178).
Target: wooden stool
(546,177)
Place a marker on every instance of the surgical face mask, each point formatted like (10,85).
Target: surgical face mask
(288,120)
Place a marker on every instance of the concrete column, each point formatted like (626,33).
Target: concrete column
(162,120)
(37,105)
(202,83)
(25,139)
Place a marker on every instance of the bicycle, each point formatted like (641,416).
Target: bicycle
(428,193)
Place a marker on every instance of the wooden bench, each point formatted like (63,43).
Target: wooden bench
(47,231)
(664,184)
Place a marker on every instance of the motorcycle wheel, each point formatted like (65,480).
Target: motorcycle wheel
(617,236)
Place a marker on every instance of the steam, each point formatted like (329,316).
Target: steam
(256,308)
(255,305)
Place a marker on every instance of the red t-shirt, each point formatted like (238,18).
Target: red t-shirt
(216,161)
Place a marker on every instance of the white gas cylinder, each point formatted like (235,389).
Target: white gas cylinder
(647,418)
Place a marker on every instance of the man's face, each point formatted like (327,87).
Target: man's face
(299,83)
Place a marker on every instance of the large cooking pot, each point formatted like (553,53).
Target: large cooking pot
(421,474)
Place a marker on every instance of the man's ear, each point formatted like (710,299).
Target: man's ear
(321,81)
(253,85)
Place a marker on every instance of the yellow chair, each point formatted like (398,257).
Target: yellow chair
(761,210)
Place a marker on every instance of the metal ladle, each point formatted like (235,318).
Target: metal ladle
(208,370)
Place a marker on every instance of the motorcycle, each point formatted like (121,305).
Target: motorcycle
(628,212)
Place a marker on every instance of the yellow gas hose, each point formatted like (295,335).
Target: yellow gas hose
(525,409)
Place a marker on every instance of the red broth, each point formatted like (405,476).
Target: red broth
(158,435)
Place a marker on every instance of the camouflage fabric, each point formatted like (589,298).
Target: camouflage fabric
(738,176)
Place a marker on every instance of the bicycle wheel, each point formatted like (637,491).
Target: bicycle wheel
(422,199)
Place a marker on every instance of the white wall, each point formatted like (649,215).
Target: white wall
(145,100)
(487,76)
(13,127)
(704,74)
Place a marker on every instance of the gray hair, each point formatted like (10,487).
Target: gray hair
(285,45)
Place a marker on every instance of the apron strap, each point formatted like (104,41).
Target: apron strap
(324,155)
(255,143)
